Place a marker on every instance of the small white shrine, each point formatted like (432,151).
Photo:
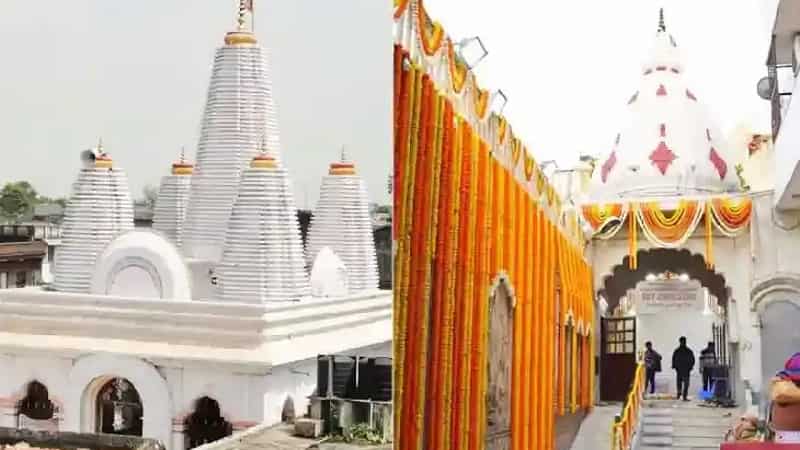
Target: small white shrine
(207,324)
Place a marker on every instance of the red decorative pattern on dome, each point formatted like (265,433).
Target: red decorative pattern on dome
(608,165)
(633,97)
(648,71)
(690,95)
(675,70)
(661,68)
(661,90)
(719,163)
(662,157)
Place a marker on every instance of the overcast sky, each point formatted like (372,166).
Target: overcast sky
(136,73)
(569,67)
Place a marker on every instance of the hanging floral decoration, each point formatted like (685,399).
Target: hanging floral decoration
(669,228)
(474,213)
(731,215)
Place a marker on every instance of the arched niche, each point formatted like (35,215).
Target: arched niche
(36,410)
(499,363)
(206,423)
(118,408)
(141,264)
(91,373)
(777,303)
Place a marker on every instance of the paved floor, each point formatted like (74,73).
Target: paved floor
(595,431)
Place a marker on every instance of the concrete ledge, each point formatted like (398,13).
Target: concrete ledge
(74,441)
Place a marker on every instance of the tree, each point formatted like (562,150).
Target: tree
(150,194)
(16,200)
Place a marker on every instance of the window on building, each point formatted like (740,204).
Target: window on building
(21,275)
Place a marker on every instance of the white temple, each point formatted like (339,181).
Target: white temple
(687,239)
(341,222)
(141,338)
(239,112)
(173,197)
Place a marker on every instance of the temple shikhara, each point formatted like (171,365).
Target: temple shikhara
(207,324)
(523,299)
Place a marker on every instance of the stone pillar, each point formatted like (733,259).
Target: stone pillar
(178,430)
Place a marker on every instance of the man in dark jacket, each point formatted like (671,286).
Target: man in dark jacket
(683,363)
(652,364)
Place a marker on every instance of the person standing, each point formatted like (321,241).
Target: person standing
(652,365)
(708,359)
(683,363)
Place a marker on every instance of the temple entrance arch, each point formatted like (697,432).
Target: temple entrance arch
(671,293)
(118,408)
(499,362)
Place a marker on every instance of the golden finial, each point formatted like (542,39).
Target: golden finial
(344,166)
(264,158)
(662,27)
(181,167)
(242,36)
(100,145)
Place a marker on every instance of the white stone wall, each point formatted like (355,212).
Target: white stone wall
(168,393)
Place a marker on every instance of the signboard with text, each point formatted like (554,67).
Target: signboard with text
(663,296)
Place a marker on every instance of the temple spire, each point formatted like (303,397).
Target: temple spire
(343,155)
(245,7)
(100,145)
(183,154)
(662,27)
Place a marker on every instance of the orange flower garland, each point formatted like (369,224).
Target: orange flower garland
(669,230)
(463,217)
(432,38)
(732,215)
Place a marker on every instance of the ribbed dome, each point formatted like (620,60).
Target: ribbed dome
(173,197)
(262,260)
(239,113)
(668,146)
(341,221)
(99,209)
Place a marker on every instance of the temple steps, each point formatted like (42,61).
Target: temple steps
(678,425)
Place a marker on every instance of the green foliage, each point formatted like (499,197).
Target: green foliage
(360,434)
(16,200)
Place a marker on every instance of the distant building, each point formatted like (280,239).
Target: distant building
(26,254)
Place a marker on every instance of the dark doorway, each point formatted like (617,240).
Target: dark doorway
(499,360)
(119,408)
(36,405)
(206,424)
(618,357)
